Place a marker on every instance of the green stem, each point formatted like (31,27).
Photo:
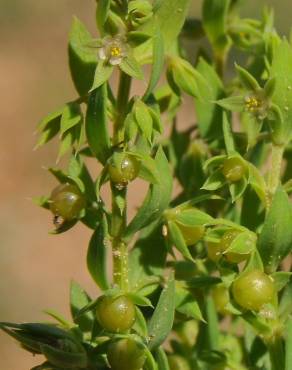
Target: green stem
(274,173)
(276,351)
(288,346)
(119,196)
(213,325)
(121,110)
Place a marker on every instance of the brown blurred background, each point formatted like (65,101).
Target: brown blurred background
(36,268)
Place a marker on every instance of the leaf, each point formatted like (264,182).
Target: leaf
(103,7)
(82,59)
(275,240)
(187,305)
(157,199)
(140,325)
(281,69)
(78,299)
(144,119)
(215,13)
(288,345)
(131,67)
(147,260)
(97,255)
(161,359)
(237,189)
(285,306)
(247,80)
(170,16)
(96,124)
(193,217)
(232,103)
(281,279)
(64,359)
(102,74)
(157,63)
(161,321)
(49,127)
(208,113)
(254,263)
(139,300)
(228,135)
(178,240)
(71,116)
(215,181)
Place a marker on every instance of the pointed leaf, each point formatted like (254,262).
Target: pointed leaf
(162,319)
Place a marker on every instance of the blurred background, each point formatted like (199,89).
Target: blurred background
(36,268)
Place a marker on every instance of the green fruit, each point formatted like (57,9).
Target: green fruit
(123,168)
(116,314)
(233,169)
(251,290)
(226,242)
(220,296)
(191,234)
(126,354)
(67,201)
(178,363)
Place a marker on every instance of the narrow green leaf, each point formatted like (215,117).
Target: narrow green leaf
(228,135)
(193,217)
(102,74)
(97,255)
(144,119)
(208,113)
(247,80)
(96,124)
(232,103)
(275,241)
(157,199)
(131,67)
(161,321)
(71,116)
(288,345)
(103,7)
(178,240)
(68,360)
(215,14)
(78,299)
(157,63)
(161,359)
(187,305)
(281,279)
(82,59)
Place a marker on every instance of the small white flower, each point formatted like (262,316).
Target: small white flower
(113,50)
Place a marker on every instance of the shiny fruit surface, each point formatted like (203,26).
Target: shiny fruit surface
(116,314)
(123,168)
(67,201)
(126,354)
(253,289)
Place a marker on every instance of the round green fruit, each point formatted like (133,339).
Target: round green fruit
(116,314)
(126,354)
(123,168)
(67,201)
(253,289)
(191,234)
(178,363)
(233,169)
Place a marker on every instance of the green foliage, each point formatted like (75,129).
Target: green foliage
(221,244)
